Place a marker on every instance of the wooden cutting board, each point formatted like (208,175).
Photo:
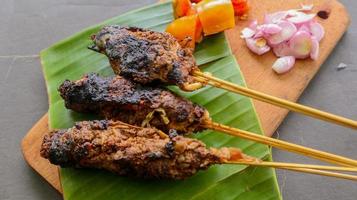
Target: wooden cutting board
(256,69)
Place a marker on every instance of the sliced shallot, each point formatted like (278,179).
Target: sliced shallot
(306,7)
(317,30)
(247,33)
(258,46)
(301,17)
(283,64)
(288,30)
(301,44)
(315,48)
(305,28)
(291,34)
(282,50)
(275,17)
(270,28)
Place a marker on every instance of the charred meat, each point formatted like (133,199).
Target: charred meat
(131,151)
(146,56)
(120,99)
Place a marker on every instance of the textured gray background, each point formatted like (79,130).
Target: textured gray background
(29,26)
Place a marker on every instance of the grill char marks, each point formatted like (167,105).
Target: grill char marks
(130,151)
(146,56)
(120,99)
(86,93)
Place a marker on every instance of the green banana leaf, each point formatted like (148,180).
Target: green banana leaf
(70,59)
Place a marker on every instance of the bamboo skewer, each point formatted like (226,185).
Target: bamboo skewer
(320,155)
(305,168)
(323,173)
(311,169)
(312,112)
(292,165)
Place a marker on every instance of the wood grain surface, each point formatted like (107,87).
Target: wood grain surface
(256,70)
(31,150)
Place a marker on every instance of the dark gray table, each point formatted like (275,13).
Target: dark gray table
(29,26)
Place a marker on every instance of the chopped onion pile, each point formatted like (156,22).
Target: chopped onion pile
(291,34)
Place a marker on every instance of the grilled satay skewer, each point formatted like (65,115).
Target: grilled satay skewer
(147,56)
(118,98)
(146,152)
